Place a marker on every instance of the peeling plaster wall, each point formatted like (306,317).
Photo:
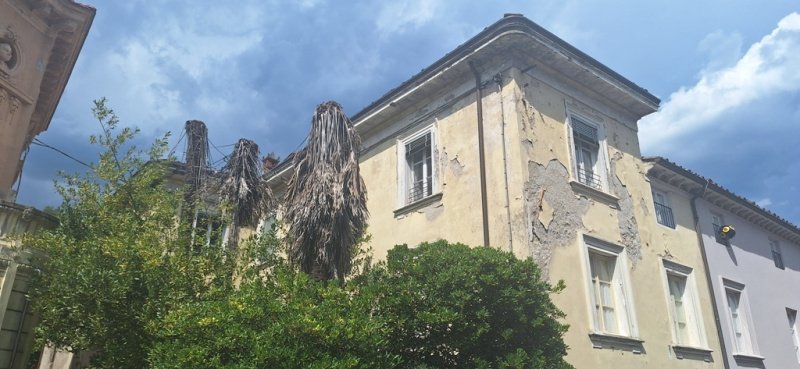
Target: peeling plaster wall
(535,208)
(628,227)
(456,216)
(558,212)
(555,213)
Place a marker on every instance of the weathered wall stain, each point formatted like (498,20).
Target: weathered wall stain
(628,227)
(550,199)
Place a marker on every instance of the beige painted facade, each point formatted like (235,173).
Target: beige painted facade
(534,89)
(39,44)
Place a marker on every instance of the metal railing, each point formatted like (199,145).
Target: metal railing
(589,178)
(419,190)
(664,215)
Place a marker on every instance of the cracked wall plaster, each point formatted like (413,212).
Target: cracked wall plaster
(549,197)
(628,227)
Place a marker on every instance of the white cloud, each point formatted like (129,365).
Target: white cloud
(723,50)
(398,15)
(173,61)
(769,67)
(764,203)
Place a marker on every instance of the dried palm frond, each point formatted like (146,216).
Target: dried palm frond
(197,154)
(244,190)
(326,200)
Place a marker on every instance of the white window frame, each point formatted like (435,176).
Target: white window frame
(404,171)
(600,167)
(794,331)
(624,311)
(777,254)
(747,344)
(690,303)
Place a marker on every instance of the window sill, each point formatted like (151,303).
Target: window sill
(616,342)
(692,352)
(594,193)
(421,203)
(748,359)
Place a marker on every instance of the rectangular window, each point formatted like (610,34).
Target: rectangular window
(663,210)
(588,166)
(684,307)
(419,159)
(612,313)
(207,230)
(716,223)
(740,326)
(416,168)
(777,257)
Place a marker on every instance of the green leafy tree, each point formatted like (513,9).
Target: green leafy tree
(118,262)
(436,306)
(283,319)
(452,306)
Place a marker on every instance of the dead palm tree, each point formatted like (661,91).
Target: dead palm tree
(244,191)
(326,208)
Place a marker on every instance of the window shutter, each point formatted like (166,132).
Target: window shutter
(418,144)
(584,131)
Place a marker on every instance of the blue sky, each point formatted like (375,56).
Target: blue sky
(727,71)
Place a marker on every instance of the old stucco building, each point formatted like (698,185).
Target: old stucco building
(39,44)
(755,275)
(520,141)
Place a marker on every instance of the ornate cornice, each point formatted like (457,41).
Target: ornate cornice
(68,22)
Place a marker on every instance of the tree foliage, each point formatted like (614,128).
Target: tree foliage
(119,260)
(436,306)
(452,306)
(285,321)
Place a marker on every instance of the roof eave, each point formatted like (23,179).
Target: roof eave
(506,25)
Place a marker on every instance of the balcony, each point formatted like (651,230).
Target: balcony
(16,219)
(664,215)
(589,178)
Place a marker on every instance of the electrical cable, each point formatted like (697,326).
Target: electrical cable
(175,147)
(38,142)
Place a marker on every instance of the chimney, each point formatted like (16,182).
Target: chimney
(270,161)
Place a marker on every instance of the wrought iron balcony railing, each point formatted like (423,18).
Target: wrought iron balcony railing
(420,190)
(589,178)
(664,215)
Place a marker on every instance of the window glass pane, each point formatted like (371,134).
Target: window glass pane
(419,160)
(602,270)
(741,334)
(777,257)
(681,312)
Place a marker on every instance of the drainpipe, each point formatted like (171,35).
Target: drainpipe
(481,153)
(498,79)
(709,280)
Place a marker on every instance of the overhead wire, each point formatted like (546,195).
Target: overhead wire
(175,147)
(39,142)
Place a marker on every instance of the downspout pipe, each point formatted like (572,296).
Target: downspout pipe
(498,79)
(481,152)
(709,280)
